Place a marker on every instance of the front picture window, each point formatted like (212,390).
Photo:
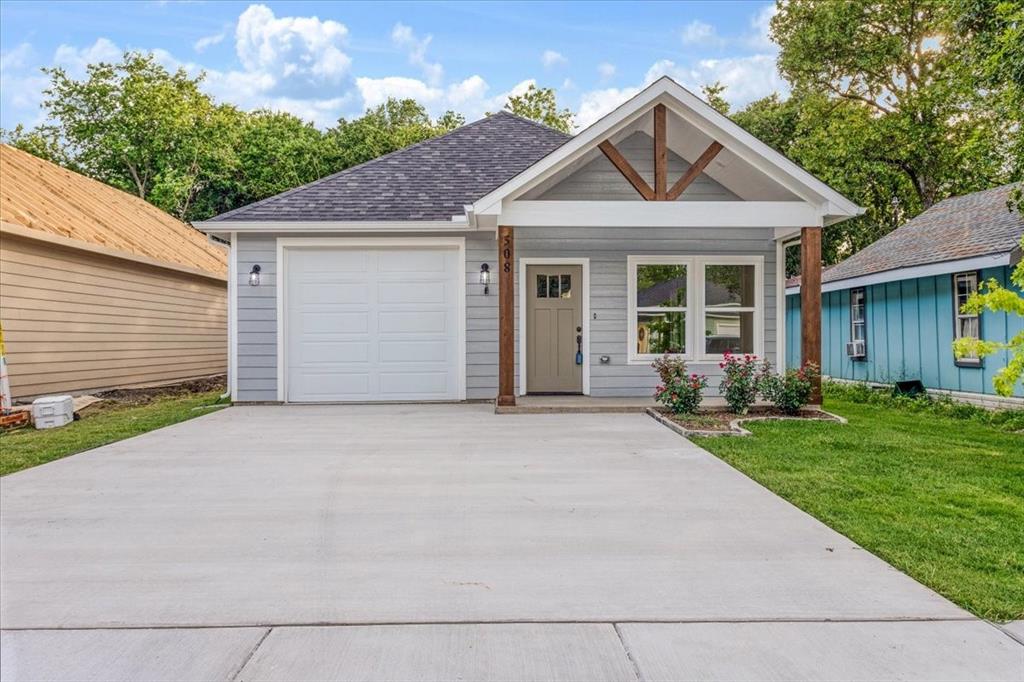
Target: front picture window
(694,306)
(660,308)
(729,309)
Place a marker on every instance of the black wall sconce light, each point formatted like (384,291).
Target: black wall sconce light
(254,276)
(485,277)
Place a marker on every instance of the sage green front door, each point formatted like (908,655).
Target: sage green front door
(554,328)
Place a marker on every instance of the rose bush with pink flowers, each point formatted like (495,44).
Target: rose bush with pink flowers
(740,381)
(680,392)
(791,391)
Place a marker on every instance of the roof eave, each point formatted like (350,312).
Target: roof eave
(719,125)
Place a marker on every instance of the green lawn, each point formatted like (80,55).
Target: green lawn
(940,498)
(28,447)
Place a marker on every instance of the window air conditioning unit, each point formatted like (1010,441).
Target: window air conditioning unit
(856,349)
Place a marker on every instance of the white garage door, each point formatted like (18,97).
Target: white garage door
(372,324)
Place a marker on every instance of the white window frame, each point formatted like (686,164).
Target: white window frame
(863,322)
(757,309)
(958,316)
(695,309)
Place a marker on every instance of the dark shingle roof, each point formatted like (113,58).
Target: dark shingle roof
(978,224)
(431,180)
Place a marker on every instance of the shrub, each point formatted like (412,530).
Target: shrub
(739,386)
(790,391)
(679,392)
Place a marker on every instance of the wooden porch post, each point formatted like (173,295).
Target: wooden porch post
(506,317)
(810,303)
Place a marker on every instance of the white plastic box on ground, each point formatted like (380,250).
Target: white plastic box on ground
(52,410)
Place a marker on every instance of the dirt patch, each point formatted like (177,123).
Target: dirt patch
(142,396)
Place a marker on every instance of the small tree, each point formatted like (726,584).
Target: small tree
(998,299)
(541,105)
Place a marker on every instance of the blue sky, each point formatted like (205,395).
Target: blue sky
(325,60)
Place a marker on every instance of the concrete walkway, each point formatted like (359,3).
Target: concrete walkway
(441,542)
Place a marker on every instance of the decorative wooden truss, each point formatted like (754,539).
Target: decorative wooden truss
(660,191)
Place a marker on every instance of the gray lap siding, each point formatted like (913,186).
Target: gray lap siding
(606,249)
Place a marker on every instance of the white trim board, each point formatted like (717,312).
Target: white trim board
(284,243)
(233,317)
(629,214)
(929,270)
(523,355)
(834,206)
(222,227)
(695,310)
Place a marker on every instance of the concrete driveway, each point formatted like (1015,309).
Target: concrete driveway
(435,542)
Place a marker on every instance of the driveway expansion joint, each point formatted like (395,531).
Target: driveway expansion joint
(629,654)
(252,652)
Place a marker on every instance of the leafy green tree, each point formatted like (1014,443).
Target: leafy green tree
(541,105)
(713,96)
(43,141)
(890,70)
(383,129)
(277,151)
(989,41)
(998,299)
(141,128)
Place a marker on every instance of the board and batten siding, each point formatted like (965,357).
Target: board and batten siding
(607,249)
(599,180)
(909,335)
(76,321)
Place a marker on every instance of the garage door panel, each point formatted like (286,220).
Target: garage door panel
(415,351)
(386,332)
(322,385)
(333,293)
(327,353)
(414,322)
(421,385)
(410,262)
(330,262)
(320,322)
(413,293)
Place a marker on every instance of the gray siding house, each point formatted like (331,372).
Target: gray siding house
(507,258)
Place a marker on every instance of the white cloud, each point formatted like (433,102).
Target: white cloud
(403,36)
(606,71)
(468,97)
(208,41)
(745,78)
(550,59)
(701,34)
(376,91)
(472,89)
(759,37)
(597,103)
(297,48)
(22,89)
(74,60)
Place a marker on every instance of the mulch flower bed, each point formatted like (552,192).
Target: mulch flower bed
(723,423)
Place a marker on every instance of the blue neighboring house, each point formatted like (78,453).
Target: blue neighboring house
(891,311)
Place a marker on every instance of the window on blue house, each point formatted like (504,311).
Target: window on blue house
(965,325)
(857,348)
